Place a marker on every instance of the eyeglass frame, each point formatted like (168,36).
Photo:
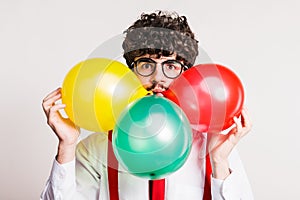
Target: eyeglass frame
(134,63)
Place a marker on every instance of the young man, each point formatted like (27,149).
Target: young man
(158,47)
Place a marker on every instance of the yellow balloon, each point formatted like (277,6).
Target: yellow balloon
(97,90)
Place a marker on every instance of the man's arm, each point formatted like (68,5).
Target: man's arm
(61,183)
(226,165)
(236,185)
(80,178)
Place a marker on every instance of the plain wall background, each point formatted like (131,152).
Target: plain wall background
(41,40)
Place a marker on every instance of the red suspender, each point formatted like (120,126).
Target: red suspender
(207,184)
(112,170)
(157,189)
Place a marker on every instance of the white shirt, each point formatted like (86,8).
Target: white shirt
(86,178)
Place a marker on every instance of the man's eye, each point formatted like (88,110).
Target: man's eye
(147,66)
(173,67)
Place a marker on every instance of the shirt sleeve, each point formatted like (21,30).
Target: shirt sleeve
(61,183)
(88,174)
(78,179)
(236,186)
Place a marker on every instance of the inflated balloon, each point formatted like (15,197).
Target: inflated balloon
(209,94)
(96,91)
(152,137)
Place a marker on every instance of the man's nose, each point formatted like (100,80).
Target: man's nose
(158,74)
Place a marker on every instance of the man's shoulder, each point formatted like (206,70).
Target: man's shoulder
(94,145)
(96,138)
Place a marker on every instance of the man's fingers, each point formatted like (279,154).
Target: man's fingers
(243,125)
(52,94)
(245,118)
(238,124)
(49,101)
(53,114)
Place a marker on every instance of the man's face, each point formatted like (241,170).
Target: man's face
(157,82)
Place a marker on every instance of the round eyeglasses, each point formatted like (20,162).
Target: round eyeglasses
(146,67)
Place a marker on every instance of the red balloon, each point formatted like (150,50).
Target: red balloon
(210,95)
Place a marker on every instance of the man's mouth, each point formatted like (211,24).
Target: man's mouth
(158,90)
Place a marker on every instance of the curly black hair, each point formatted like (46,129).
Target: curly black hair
(161,34)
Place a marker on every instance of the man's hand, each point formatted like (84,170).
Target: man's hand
(220,145)
(64,128)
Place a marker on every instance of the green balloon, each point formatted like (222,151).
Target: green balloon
(152,137)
